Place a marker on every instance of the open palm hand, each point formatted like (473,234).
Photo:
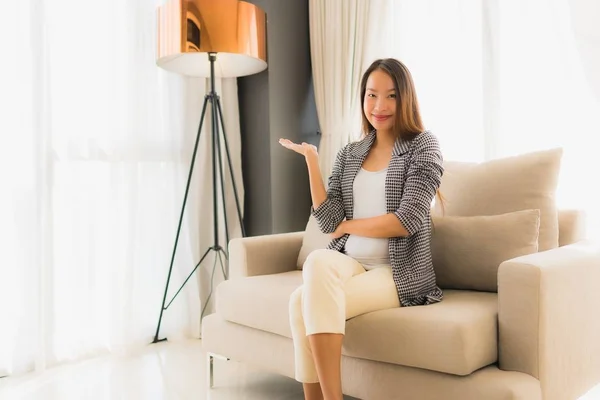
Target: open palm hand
(305,149)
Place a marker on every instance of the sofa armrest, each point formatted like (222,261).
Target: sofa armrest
(548,307)
(264,255)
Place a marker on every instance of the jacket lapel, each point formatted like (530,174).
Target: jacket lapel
(357,157)
(396,175)
(362,148)
(400,147)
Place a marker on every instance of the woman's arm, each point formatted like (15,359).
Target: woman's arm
(328,206)
(317,188)
(383,226)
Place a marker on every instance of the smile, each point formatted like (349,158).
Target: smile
(381,118)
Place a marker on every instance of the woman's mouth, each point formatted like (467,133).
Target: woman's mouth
(381,118)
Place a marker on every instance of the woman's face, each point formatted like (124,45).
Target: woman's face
(379,104)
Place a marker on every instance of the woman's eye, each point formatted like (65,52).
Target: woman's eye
(393,96)
(371,95)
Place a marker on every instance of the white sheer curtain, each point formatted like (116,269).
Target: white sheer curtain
(96,148)
(500,78)
(441,43)
(339,30)
(544,97)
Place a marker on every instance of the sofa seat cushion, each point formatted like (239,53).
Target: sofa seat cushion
(456,336)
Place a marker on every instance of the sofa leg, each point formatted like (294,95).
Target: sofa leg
(210,367)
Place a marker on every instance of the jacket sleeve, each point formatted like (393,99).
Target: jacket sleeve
(423,179)
(331,212)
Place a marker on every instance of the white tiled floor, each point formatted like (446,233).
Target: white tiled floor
(164,371)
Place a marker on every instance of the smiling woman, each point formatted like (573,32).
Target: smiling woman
(377,210)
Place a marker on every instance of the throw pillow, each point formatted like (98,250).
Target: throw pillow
(467,251)
(313,239)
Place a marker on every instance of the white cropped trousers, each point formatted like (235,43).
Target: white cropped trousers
(336,288)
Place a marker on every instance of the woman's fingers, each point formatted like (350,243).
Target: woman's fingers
(288,144)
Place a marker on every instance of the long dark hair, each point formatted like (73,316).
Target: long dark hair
(407,123)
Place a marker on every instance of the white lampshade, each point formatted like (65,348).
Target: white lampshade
(188,30)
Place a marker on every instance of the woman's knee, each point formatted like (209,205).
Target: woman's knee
(318,264)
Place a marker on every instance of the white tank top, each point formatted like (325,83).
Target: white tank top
(369,201)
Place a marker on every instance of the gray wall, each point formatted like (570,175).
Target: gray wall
(278,102)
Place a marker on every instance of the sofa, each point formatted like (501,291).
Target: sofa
(520,317)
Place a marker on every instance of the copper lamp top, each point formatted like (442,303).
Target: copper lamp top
(190,29)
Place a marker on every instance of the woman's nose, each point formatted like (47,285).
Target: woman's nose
(380,105)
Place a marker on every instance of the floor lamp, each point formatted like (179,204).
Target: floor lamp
(211,39)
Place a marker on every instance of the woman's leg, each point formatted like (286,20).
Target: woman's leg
(305,370)
(327,353)
(336,288)
(324,313)
(372,291)
(364,292)
(312,391)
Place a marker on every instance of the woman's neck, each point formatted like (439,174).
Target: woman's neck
(385,139)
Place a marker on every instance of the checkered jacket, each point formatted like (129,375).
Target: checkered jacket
(414,174)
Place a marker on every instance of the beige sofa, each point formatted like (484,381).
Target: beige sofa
(538,337)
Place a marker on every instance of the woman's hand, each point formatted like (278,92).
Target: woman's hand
(311,157)
(339,231)
(307,150)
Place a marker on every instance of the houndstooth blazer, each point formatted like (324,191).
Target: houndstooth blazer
(413,177)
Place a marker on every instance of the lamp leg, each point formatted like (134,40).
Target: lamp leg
(222,180)
(217,170)
(235,193)
(185,197)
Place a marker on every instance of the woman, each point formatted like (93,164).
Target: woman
(377,209)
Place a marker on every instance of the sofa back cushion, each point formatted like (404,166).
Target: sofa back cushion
(572,226)
(524,182)
(467,251)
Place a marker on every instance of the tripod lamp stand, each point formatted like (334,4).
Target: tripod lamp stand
(211,39)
